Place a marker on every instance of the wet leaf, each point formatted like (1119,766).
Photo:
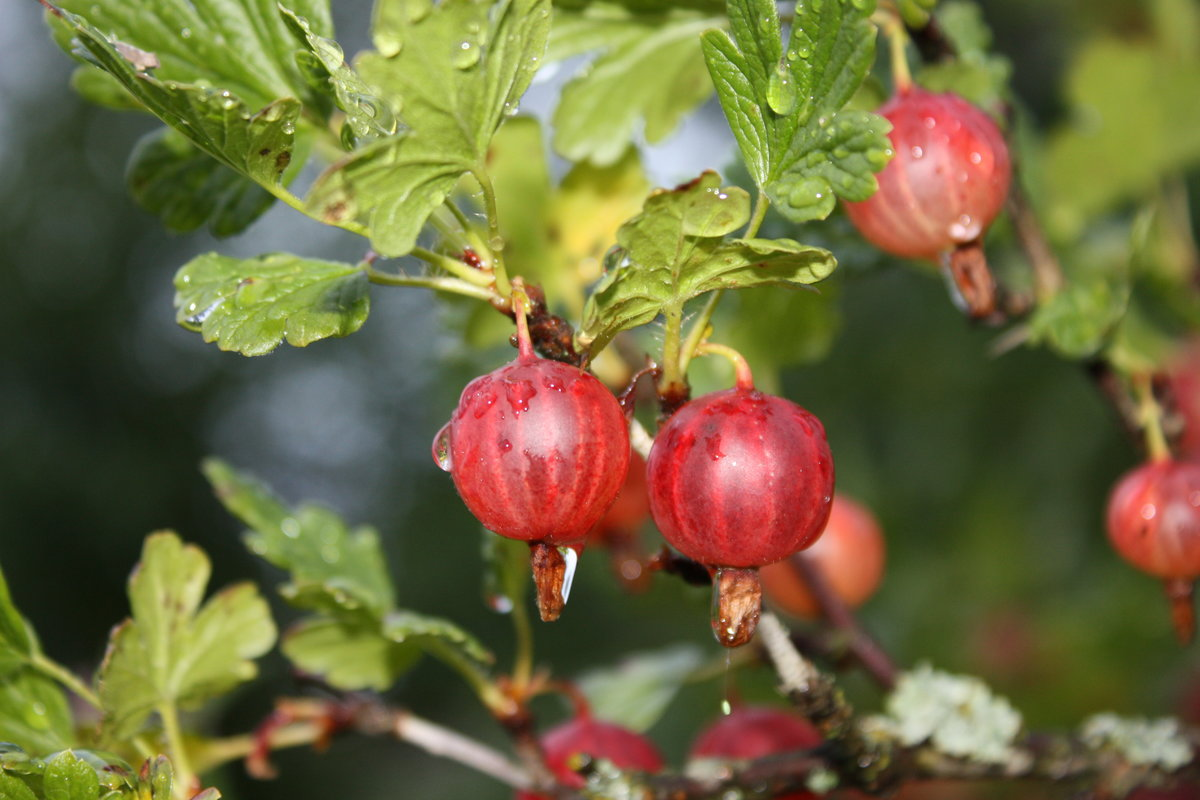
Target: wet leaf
(454,73)
(12,788)
(252,305)
(34,713)
(675,250)
(16,638)
(311,543)
(785,108)
(68,777)
(348,655)
(173,650)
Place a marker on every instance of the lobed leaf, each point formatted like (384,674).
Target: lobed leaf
(676,249)
(173,650)
(69,777)
(785,108)
(313,544)
(252,305)
(648,75)
(454,70)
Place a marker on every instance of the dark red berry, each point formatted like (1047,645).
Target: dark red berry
(1154,523)
(739,478)
(538,450)
(596,739)
(850,554)
(755,732)
(946,182)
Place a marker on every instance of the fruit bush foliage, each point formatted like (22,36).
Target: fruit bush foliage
(986,450)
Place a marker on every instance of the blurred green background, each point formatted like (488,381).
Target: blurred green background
(989,474)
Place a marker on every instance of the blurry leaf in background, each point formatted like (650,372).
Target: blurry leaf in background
(676,249)
(451,106)
(975,73)
(556,237)
(506,572)
(777,329)
(1078,320)
(1134,113)
(637,691)
(357,640)
(786,110)
(252,305)
(648,74)
(172,651)
(16,639)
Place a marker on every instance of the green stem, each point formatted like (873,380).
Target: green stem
(453,265)
(500,704)
(761,203)
(898,41)
(523,660)
(58,672)
(1150,414)
(495,240)
(672,374)
(439,283)
(217,752)
(186,783)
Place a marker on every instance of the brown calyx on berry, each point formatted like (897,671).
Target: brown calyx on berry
(737,604)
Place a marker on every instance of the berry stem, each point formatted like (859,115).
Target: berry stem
(523,659)
(893,26)
(745,379)
(520,304)
(1150,415)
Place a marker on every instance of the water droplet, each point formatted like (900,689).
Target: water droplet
(500,603)
(917,151)
(466,54)
(571,560)
(288,128)
(290,527)
(840,152)
(930,122)
(441,448)
(519,393)
(975,157)
(765,22)
(1149,511)
(199,317)
(505,445)
(186,33)
(804,50)
(964,229)
(511,107)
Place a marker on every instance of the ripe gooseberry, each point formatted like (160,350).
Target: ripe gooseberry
(538,450)
(1154,524)
(585,735)
(754,732)
(850,554)
(739,479)
(946,182)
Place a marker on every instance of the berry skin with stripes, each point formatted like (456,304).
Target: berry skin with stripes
(586,736)
(739,478)
(538,450)
(752,732)
(946,182)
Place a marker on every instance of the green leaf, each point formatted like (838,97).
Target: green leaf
(1135,113)
(371,653)
(68,777)
(456,69)
(12,788)
(675,249)
(251,305)
(638,690)
(366,115)
(1079,320)
(97,86)
(16,639)
(173,651)
(218,121)
(34,713)
(313,544)
(242,46)
(785,109)
(975,73)
(650,70)
(350,656)
(169,177)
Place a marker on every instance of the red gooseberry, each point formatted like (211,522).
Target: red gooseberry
(754,732)
(587,736)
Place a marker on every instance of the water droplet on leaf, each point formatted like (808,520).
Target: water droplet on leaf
(781,90)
